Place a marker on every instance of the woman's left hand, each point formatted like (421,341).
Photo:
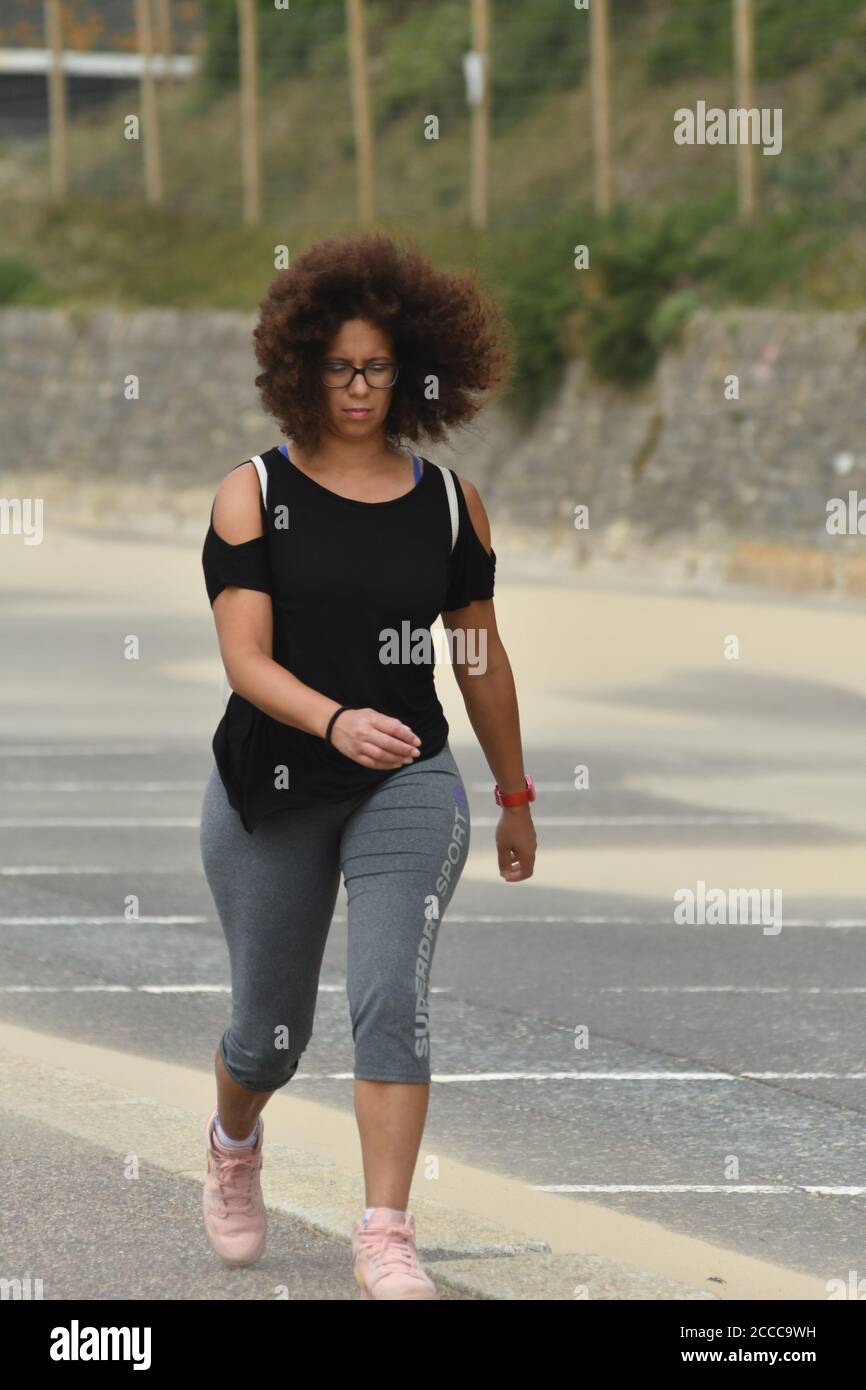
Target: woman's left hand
(516,843)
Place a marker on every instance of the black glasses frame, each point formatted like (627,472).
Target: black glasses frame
(359,371)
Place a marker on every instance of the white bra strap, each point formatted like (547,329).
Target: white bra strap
(452,502)
(258,462)
(263,476)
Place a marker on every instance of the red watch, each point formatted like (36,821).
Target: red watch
(515,798)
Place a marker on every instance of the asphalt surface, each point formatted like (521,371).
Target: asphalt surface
(120,751)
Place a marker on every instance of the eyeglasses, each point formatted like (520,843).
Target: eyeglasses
(380,375)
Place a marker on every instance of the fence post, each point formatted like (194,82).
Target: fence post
(599,30)
(480,118)
(249,55)
(744,64)
(361,111)
(164,42)
(56,98)
(149,115)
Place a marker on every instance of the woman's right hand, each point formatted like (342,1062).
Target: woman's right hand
(373,739)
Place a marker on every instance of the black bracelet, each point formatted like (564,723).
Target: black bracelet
(331,721)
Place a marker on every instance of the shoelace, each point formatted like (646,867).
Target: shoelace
(225,1167)
(386,1254)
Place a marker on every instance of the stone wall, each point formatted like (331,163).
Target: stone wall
(674,460)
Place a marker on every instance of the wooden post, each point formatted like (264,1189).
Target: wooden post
(599,33)
(361,111)
(744,67)
(149,114)
(480,117)
(164,41)
(249,55)
(56,99)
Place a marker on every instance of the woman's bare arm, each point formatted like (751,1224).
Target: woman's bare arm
(489,695)
(487,685)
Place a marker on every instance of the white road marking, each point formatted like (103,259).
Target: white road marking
(115,989)
(160,989)
(441,989)
(681,821)
(748,1189)
(99,822)
(731,989)
(76,787)
(55,870)
(480,918)
(198,785)
(555,919)
(102,921)
(192,822)
(653,1076)
(74,750)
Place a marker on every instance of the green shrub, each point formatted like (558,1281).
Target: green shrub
(669,318)
(420,62)
(846,78)
(19,280)
(537,49)
(696,37)
(745,264)
(541,289)
(289,40)
(637,265)
(543,47)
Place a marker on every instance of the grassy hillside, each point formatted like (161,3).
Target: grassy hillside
(672,242)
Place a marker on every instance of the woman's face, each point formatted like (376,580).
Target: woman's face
(358,411)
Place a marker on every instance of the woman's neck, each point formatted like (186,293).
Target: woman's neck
(368,460)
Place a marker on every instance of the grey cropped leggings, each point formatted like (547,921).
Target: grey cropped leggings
(401,848)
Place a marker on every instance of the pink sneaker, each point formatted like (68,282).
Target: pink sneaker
(234,1210)
(386,1261)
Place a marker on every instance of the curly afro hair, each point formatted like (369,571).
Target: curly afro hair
(447,332)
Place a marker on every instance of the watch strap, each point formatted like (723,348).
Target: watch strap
(521,798)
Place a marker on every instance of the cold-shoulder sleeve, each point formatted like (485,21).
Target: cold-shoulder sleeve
(246,565)
(471,570)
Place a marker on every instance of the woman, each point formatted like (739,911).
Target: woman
(326,561)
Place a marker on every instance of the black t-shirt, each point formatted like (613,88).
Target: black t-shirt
(341,572)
